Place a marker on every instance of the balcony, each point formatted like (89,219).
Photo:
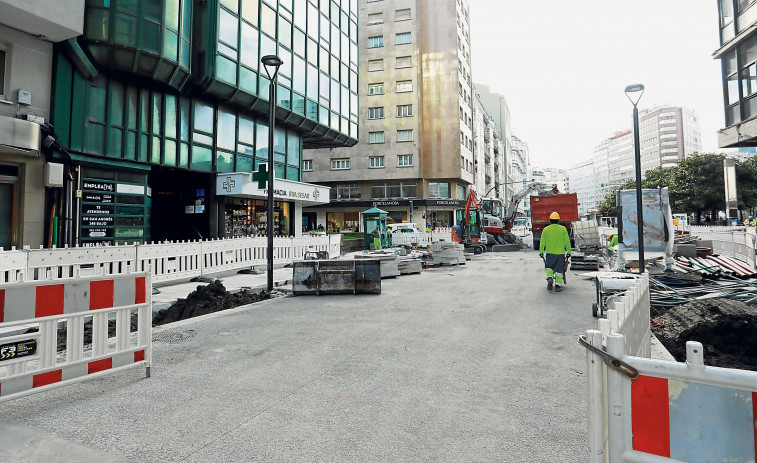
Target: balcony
(56,21)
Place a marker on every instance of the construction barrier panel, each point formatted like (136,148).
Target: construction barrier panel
(169,261)
(657,411)
(106,322)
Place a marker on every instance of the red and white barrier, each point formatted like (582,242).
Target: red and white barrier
(33,313)
(653,411)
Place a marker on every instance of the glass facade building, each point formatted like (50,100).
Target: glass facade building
(178,86)
(738,57)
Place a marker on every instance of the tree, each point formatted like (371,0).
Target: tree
(699,180)
(746,184)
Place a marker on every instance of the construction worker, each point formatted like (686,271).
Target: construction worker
(613,241)
(376,233)
(555,242)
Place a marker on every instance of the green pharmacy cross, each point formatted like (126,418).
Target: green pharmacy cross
(261,176)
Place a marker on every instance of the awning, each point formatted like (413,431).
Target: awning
(241,184)
(104,162)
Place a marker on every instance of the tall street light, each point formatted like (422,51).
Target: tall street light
(634,92)
(271,64)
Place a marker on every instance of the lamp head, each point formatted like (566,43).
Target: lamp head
(634,92)
(271,60)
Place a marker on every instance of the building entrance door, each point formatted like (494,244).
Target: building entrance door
(7,200)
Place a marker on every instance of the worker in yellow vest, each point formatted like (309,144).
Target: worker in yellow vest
(555,243)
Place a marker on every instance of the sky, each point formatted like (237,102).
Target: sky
(563,65)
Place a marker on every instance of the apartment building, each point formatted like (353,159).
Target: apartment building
(414,158)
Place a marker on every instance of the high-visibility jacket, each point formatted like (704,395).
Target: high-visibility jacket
(555,240)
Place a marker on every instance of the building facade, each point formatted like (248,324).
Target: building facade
(667,134)
(29,31)
(738,57)
(158,103)
(415,154)
(582,183)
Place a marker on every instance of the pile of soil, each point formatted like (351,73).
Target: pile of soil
(207,299)
(726,328)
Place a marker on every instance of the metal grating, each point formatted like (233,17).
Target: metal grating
(173,336)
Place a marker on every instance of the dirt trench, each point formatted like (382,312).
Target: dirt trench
(206,299)
(726,328)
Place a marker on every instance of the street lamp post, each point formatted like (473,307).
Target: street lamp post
(633,91)
(271,64)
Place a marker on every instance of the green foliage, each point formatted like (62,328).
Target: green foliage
(695,185)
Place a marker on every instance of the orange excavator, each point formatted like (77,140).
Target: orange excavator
(469,231)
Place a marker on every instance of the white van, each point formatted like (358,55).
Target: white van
(404,227)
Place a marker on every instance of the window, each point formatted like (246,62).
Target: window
(376,137)
(376,113)
(404,110)
(402,15)
(376,65)
(394,190)
(376,89)
(376,42)
(404,86)
(346,191)
(307,165)
(403,62)
(375,18)
(340,164)
(377,161)
(405,160)
(405,135)
(403,38)
(438,190)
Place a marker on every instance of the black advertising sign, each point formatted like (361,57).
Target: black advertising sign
(97,209)
(95,221)
(98,186)
(97,198)
(18,349)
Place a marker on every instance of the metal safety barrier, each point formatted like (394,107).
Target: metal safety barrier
(169,260)
(106,322)
(651,411)
(737,242)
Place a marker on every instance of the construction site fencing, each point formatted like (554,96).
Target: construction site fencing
(736,242)
(106,322)
(168,261)
(643,410)
(421,239)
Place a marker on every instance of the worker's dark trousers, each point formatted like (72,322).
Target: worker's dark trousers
(555,265)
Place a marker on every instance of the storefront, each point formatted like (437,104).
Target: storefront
(245,204)
(341,216)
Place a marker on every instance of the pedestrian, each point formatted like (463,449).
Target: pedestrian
(376,233)
(751,222)
(555,243)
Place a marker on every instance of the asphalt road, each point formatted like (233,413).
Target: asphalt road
(477,363)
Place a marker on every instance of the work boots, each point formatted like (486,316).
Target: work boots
(558,288)
(549,283)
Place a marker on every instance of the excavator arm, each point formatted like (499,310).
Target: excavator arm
(512,205)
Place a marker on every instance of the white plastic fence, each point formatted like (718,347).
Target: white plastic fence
(31,362)
(630,316)
(668,411)
(736,242)
(169,261)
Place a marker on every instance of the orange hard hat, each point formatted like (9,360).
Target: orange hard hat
(554,216)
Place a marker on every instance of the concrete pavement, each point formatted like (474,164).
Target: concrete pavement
(472,363)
